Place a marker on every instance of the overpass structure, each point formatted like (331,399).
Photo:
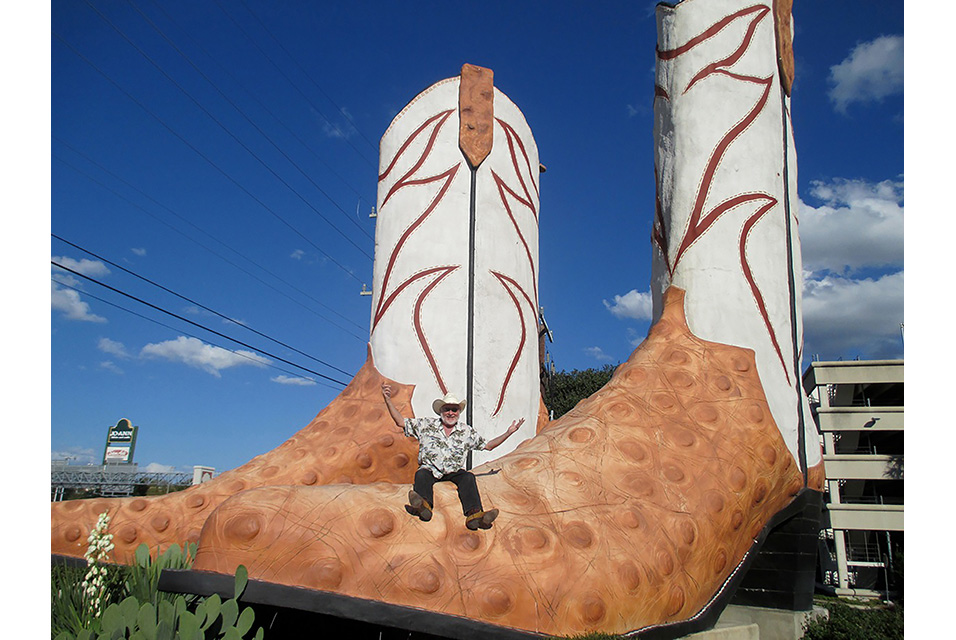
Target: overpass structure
(110,480)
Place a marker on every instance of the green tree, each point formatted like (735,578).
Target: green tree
(565,389)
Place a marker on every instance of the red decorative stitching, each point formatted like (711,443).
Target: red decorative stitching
(384,307)
(502,187)
(441,119)
(512,137)
(659,233)
(711,32)
(418,324)
(524,333)
(449,176)
(745,265)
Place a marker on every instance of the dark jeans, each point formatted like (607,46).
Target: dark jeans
(464,480)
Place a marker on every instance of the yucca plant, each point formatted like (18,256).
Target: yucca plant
(79,595)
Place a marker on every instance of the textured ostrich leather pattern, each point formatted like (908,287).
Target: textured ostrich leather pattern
(629,511)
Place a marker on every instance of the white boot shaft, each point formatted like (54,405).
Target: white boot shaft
(425,255)
(726,228)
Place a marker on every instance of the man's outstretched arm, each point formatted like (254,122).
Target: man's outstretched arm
(392,409)
(494,442)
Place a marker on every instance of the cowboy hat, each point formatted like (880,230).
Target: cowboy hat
(450,398)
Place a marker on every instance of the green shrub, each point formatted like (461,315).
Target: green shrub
(856,623)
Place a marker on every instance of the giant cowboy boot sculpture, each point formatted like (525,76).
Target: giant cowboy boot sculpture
(655,493)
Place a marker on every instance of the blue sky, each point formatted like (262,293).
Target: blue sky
(227,151)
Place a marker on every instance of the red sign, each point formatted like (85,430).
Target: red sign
(117,453)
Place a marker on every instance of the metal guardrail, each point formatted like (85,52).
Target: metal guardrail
(865,551)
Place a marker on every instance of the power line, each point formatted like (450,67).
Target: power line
(186,333)
(195,324)
(204,157)
(198,304)
(221,125)
(259,130)
(269,111)
(293,84)
(307,75)
(209,235)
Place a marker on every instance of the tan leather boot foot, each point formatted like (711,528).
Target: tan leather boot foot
(651,493)
(352,441)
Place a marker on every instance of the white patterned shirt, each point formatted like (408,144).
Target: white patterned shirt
(439,453)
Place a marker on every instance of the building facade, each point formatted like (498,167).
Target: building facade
(858,408)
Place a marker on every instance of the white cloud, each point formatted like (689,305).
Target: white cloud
(140,252)
(635,338)
(872,71)
(113,347)
(335,131)
(859,225)
(843,317)
(196,353)
(109,365)
(598,354)
(297,254)
(92,268)
(633,304)
(155,467)
(77,455)
(69,303)
(302,382)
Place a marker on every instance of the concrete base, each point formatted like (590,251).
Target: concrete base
(738,623)
(730,631)
(859,593)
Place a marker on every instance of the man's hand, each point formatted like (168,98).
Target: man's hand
(493,444)
(397,417)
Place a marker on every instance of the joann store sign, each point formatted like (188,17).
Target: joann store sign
(120,443)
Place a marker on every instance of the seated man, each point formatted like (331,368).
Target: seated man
(443,446)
